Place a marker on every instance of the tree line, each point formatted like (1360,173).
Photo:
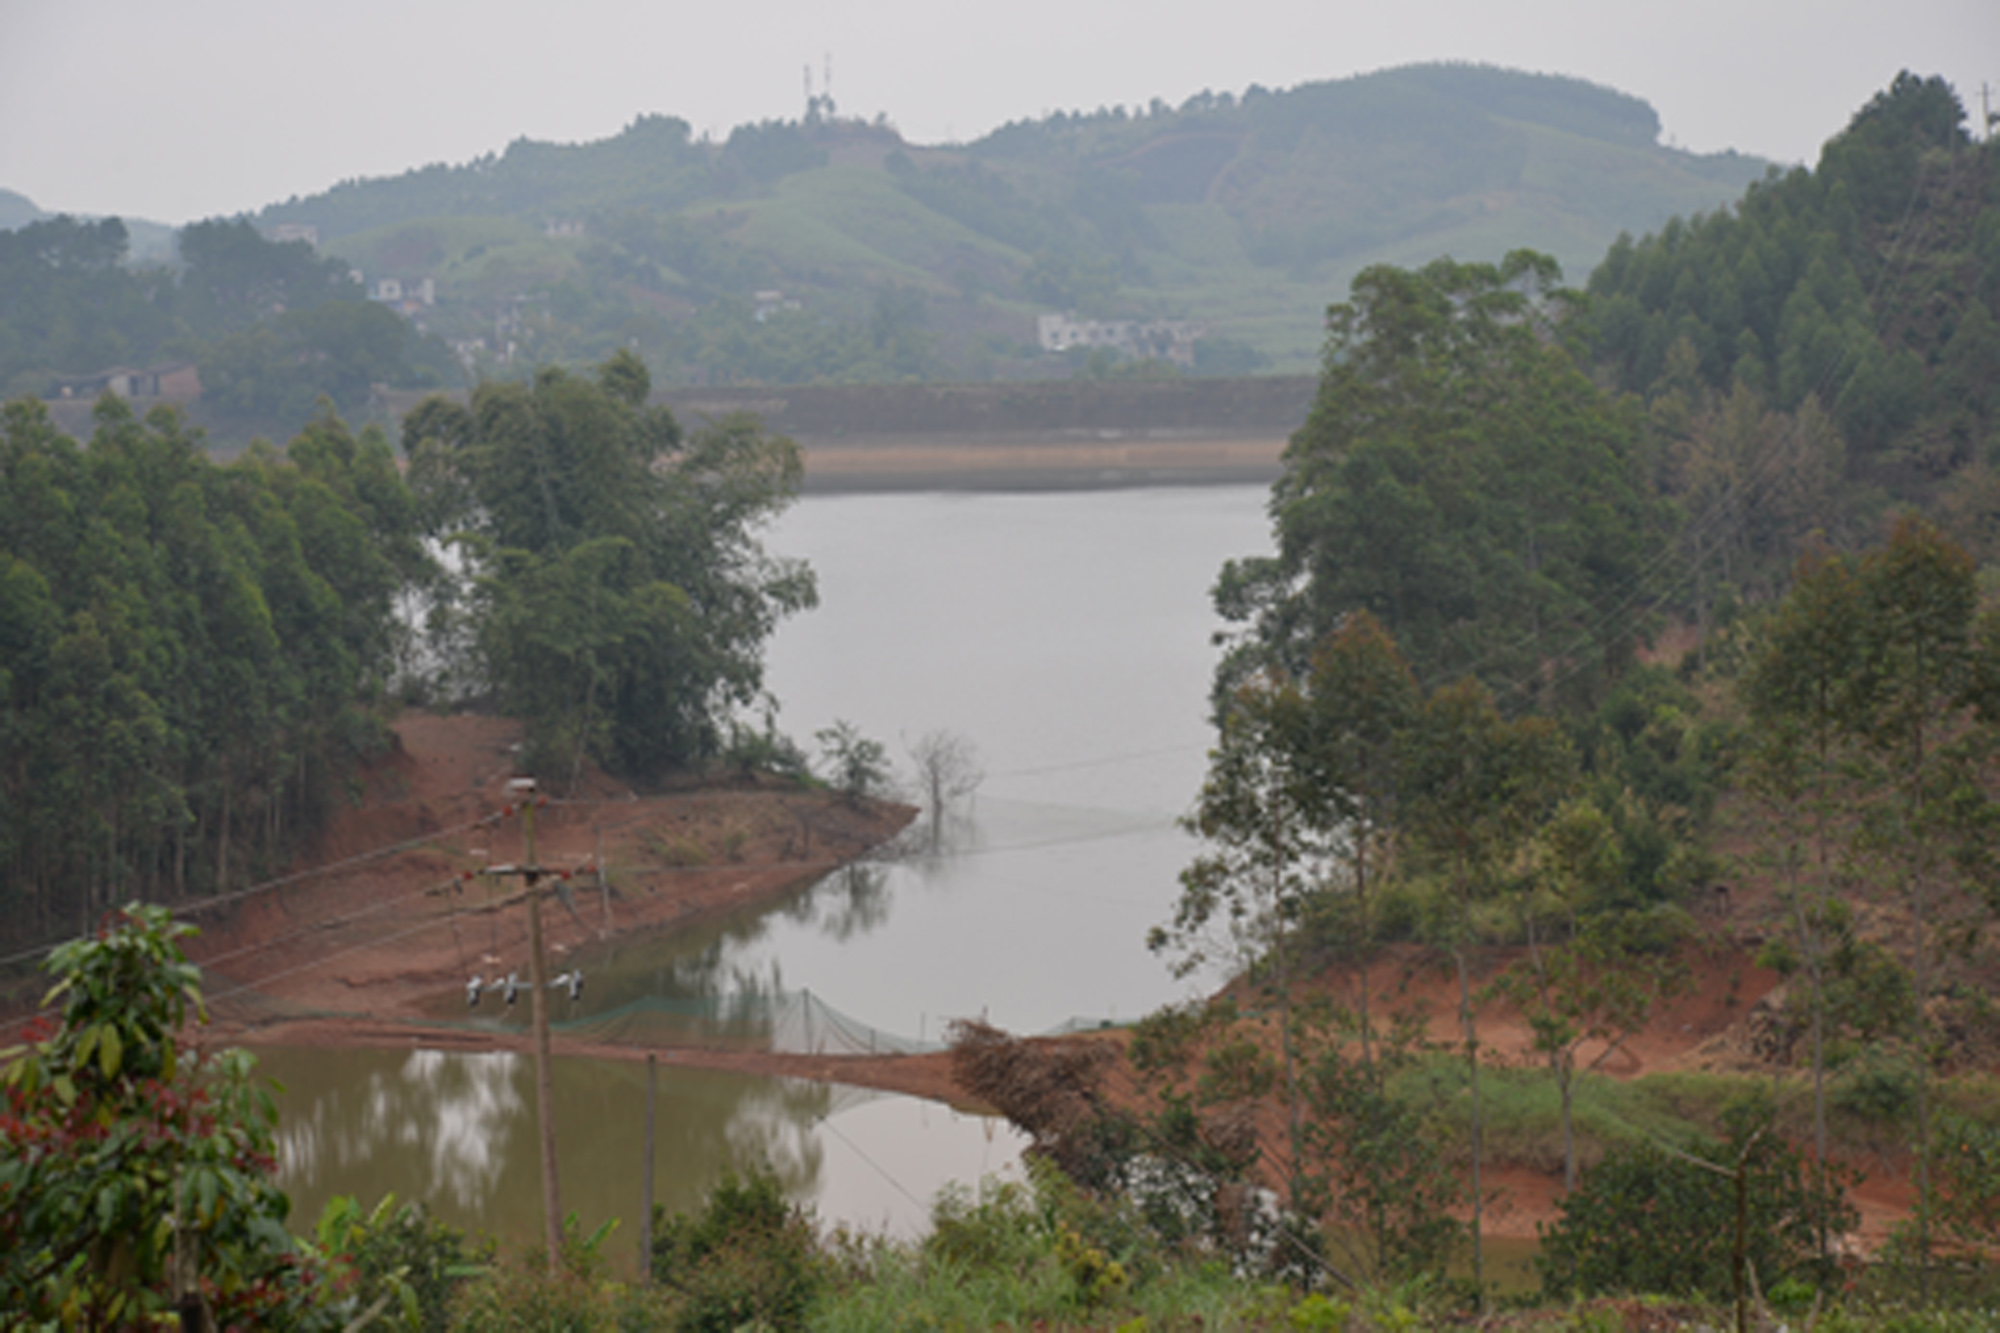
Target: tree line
(1825,350)
(192,651)
(272,327)
(195,657)
(1436,729)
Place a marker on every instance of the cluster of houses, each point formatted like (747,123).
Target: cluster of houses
(180,381)
(1143,340)
(172,382)
(1170,340)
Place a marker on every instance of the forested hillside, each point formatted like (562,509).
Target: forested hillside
(195,657)
(1605,634)
(831,250)
(1823,351)
(883,260)
(269,328)
(189,654)
(1527,483)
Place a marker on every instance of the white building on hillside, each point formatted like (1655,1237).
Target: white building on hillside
(1157,339)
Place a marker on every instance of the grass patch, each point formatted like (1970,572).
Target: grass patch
(675,850)
(1522,1109)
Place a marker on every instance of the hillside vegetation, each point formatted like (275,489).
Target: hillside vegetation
(906,261)
(1820,354)
(1588,613)
(1438,730)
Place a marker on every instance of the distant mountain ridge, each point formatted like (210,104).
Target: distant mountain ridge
(1247,213)
(17,210)
(656,163)
(151,242)
(831,250)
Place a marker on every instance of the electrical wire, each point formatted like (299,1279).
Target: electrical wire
(200,905)
(825,1122)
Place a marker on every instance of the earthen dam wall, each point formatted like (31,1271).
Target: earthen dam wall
(1071,434)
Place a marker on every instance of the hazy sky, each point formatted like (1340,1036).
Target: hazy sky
(181,109)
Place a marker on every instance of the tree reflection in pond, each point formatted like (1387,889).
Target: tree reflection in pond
(852,901)
(457,1132)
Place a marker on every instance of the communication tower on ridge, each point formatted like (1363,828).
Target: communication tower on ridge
(820,107)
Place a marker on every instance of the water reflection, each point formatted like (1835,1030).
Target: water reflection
(332,1135)
(458,1132)
(1068,637)
(720,984)
(852,901)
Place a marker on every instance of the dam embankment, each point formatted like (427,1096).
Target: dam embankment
(1048,435)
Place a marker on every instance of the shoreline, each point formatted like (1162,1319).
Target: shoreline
(363,953)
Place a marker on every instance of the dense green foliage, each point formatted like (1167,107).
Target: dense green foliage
(189,653)
(620,597)
(1650,1219)
(135,1172)
(71,305)
(1466,492)
(1876,697)
(1831,342)
(1791,365)
(748,1257)
(1461,479)
(398,1256)
(273,374)
(194,657)
(1869,283)
(271,327)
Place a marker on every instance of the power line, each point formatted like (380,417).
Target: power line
(825,1122)
(1895,265)
(201,905)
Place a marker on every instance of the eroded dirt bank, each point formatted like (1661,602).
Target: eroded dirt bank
(383,933)
(362,952)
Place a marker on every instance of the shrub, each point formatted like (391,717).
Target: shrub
(523,1296)
(1647,1220)
(997,1228)
(125,1156)
(1968,1182)
(858,768)
(401,1252)
(1879,1085)
(1392,1189)
(749,1257)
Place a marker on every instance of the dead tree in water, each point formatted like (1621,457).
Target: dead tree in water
(948,771)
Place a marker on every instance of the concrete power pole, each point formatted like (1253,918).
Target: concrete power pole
(532,872)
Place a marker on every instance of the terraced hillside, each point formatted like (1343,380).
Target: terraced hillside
(832,250)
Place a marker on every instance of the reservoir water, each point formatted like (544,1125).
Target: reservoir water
(1067,637)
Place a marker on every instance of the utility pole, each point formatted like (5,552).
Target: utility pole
(531,873)
(646,1175)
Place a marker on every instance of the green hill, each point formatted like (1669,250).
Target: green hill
(147,242)
(1869,283)
(894,260)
